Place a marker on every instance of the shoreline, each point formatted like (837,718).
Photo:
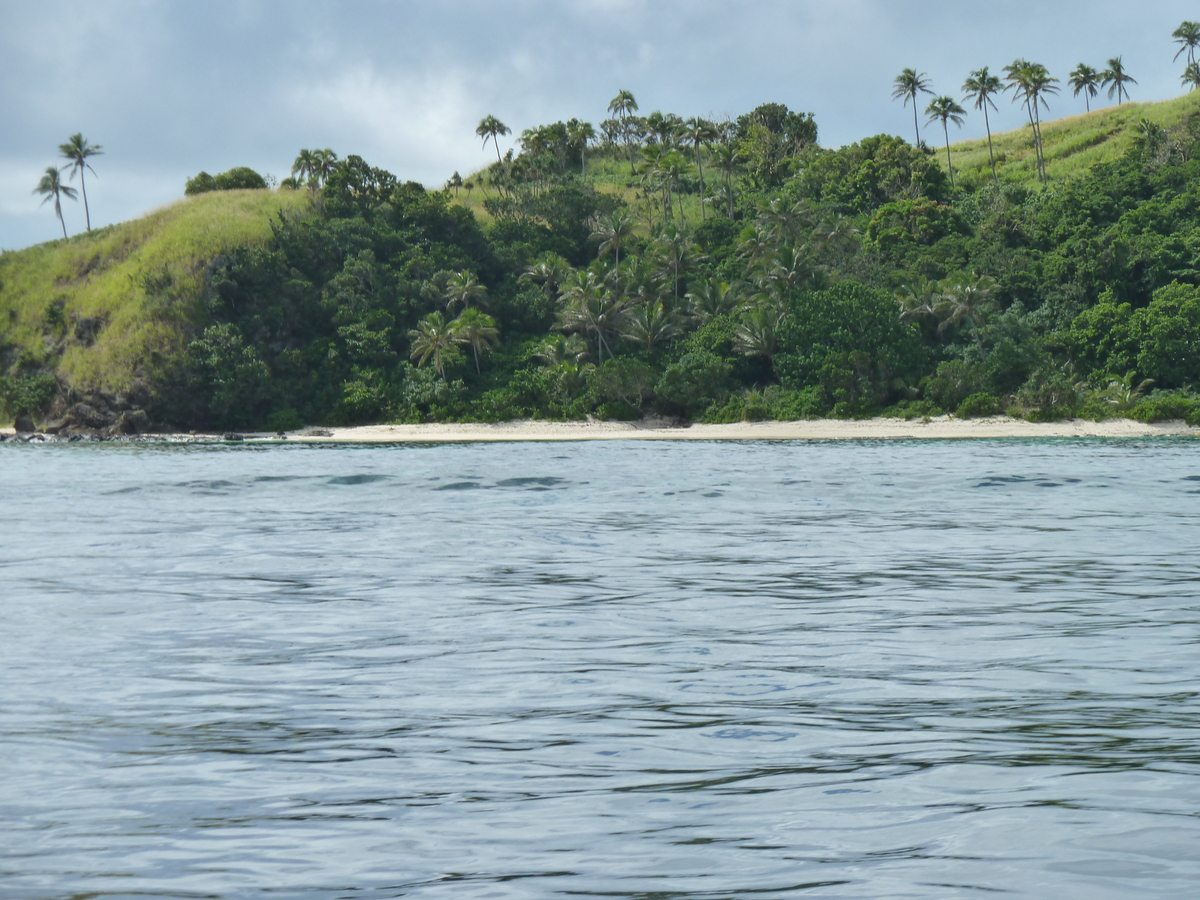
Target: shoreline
(940,428)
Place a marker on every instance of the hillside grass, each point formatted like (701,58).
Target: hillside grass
(1072,144)
(142,280)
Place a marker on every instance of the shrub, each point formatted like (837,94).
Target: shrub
(978,405)
(237,178)
(25,395)
(1164,407)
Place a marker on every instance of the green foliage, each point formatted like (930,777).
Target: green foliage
(850,341)
(25,394)
(236,179)
(979,405)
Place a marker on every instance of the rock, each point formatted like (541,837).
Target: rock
(24,425)
(134,421)
(87,329)
(84,415)
(231,436)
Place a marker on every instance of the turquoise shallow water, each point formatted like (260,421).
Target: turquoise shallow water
(614,669)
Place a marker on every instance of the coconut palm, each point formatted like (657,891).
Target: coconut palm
(455,182)
(323,164)
(623,106)
(304,166)
(611,231)
(432,339)
(711,297)
(1031,83)
(549,271)
(477,330)
(1191,75)
(979,88)
(945,110)
(581,134)
(699,132)
(649,325)
(462,288)
(492,129)
(727,157)
(1115,78)
(964,299)
(77,151)
(52,188)
(1187,36)
(757,333)
(590,309)
(1085,80)
(910,85)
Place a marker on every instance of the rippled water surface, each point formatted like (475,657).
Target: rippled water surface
(651,670)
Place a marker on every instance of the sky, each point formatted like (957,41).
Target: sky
(172,87)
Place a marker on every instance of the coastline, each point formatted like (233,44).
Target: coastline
(939,428)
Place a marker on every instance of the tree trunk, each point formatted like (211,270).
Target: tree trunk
(991,152)
(949,164)
(83,185)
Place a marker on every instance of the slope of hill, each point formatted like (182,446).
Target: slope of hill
(104,309)
(1072,144)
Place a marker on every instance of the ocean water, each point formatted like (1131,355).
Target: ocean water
(616,669)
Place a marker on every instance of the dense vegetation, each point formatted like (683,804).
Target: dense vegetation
(706,271)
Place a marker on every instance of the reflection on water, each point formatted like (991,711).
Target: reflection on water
(612,670)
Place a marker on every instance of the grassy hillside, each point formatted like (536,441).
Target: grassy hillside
(101,307)
(1072,144)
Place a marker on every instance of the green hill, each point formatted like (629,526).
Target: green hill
(104,309)
(1072,144)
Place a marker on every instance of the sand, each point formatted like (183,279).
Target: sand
(815,430)
(940,428)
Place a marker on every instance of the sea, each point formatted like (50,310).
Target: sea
(616,669)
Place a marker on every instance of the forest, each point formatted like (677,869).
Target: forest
(703,271)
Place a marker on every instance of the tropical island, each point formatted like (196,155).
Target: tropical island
(650,266)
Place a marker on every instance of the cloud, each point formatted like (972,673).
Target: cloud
(172,88)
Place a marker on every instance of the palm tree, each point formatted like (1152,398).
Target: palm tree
(1085,80)
(909,85)
(1114,78)
(589,308)
(963,299)
(944,109)
(492,129)
(611,231)
(697,132)
(77,150)
(1030,83)
(711,297)
(433,339)
(1187,36)
(323,163)
(463,288)
(979,88)
(727,158)
(757,333)
(649,324)
(52,188)
(1191,75)
(304,167)
(455,182)
(476,329)
(581,133)
(622,107)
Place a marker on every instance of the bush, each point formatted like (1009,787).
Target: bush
(25,395)
(285,420)
(236,179)
(1164,407)
(953,383)
(978,406)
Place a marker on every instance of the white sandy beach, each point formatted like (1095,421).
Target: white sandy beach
(814,430)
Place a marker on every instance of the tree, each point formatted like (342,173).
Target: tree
(612,231)
(1115,78)
(1030,83)
(1085,80)
(477,330)
(492,129)
(52,188)
(699,132)
(455,182)
(77,151)
(462,288)
(623,106)
(433,339)
(979,88)
(581,134)
(1191,75)
(945,110)
(910,85)
(649,324)
(304,166)
(323,164)
(1187,36)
